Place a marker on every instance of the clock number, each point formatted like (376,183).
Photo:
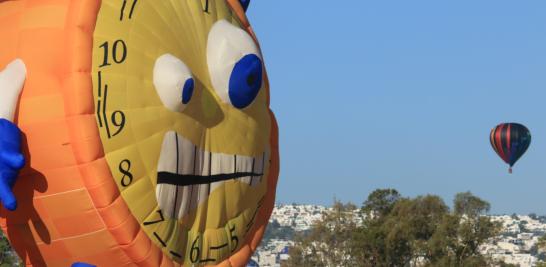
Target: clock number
(125,168)
(115,52)
(118,123)
(161,219)
(123,9)
(118,56)
(234,239)
(195,252)
(117,118)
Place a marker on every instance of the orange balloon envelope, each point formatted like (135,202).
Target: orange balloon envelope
(147,132)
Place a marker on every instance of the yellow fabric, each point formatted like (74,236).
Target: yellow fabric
(181,29)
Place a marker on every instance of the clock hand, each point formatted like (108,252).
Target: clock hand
(11,159)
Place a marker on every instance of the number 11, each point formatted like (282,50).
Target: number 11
(130,12)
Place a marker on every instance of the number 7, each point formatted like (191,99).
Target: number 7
(156,221)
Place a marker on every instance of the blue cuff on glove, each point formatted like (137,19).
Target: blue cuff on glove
(81,264)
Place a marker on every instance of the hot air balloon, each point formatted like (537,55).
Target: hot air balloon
(510,141)
(146,131)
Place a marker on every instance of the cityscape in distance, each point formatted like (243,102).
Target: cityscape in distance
(516,244)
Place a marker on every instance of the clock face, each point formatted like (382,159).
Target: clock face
(184,122)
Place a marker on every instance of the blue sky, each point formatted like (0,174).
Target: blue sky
(403,94)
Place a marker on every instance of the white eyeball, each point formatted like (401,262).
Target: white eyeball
(235,64)
(173,82)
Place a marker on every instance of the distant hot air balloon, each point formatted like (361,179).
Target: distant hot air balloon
(510,141)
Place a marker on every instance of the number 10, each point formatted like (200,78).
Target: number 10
(117,57)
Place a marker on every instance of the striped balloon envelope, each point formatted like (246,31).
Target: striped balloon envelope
(510,141)
(147,132)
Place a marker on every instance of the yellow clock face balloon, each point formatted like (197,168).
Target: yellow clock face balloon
(183,116)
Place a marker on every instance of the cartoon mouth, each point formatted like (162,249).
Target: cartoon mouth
(188,174)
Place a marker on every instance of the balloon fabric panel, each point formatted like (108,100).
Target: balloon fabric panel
(80,209)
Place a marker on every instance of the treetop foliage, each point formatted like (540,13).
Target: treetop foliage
(399,231)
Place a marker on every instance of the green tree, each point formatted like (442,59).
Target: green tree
(8,257)
(275,231)
(541,249)
(328,242)
(468,204)
(380,202)
(398,231)
(474,229)
(411,223)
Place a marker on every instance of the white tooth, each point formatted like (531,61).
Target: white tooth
(253,180)
(184,191)
(167,158)
(166,194)
(187,154)
(191,193)
(258,169)
(203,192)
(265,164)
(187,165)
(221,164)
(203,189)
(192,196)
(244,164)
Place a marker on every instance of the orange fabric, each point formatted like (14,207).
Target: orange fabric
(69,206)
(57,220)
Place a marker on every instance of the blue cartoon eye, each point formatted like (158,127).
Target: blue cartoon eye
(173,82)
(245,81)
(187,91)
(235,64)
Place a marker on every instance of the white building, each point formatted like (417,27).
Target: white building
(518,236)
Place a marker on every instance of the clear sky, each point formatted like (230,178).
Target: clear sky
(403,94)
